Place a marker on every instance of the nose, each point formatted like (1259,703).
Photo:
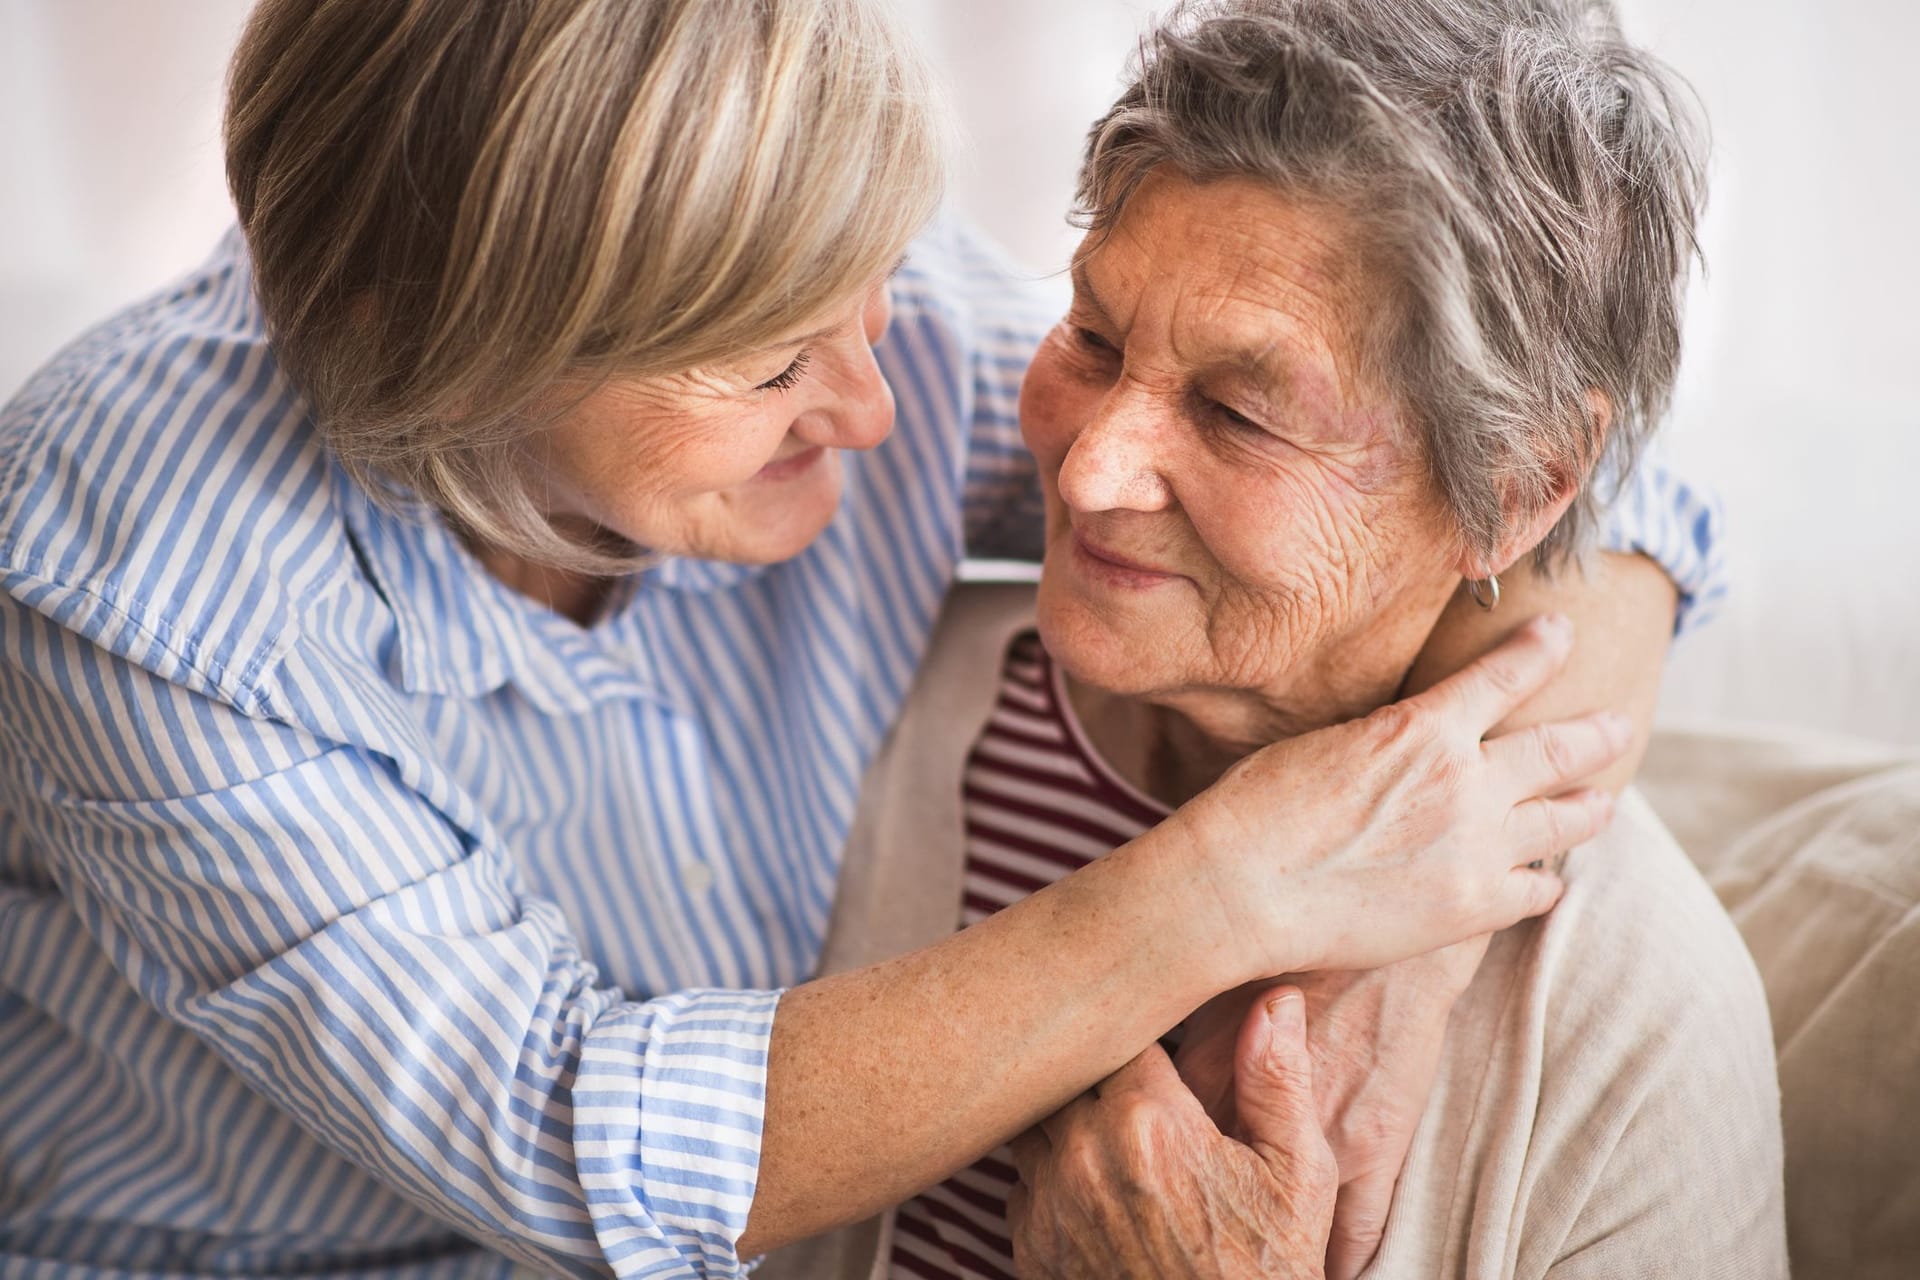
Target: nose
(862,415)
(1114,462)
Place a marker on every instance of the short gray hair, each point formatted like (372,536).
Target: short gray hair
(1525,184)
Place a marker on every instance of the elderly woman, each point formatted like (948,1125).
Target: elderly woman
(1370,291)
(442,638)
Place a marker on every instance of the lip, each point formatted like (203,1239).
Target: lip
(787,468)
(1114,567)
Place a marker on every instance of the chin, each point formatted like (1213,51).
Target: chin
(1099,647)
(793,521)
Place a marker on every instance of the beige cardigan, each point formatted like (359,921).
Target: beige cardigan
(1607,1108)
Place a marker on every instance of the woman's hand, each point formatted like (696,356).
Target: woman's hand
(1375,1039)
(1133,1180)
(1388,837)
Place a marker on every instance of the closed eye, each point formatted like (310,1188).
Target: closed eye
(788,378)
(1237,418)
(1089,338)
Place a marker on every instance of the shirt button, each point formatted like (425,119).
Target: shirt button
(696,875)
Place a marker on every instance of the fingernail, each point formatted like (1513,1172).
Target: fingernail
(1556,624)
(1287,1013)
(1619,727)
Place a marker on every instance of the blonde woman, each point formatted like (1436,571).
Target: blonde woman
(443,637)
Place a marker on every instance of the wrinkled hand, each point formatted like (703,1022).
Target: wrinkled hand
(1133,1179)
(1375,1042)
(1373,841)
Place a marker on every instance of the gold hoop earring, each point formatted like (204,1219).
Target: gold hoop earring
(1485,592)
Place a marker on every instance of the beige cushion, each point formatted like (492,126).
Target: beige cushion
(1813,844)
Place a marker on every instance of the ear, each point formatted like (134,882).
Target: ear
(1525,532)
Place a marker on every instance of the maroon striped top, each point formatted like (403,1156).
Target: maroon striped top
(1039,803)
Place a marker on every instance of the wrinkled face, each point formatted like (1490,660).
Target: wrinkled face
(736,462)
(1231,508)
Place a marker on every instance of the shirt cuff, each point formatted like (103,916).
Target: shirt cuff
(667,1113)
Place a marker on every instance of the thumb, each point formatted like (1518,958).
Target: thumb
(1273,1078)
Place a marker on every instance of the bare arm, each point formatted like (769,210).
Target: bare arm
(887,1079)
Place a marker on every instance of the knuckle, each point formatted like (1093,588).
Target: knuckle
(1407,728)
(1079,1160)
(1556,825)
(1503,677)
(1390,723)
(1558,750)
(1139,1126)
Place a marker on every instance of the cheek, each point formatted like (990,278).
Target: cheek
(1279,530)
(622,467)
(1053,404)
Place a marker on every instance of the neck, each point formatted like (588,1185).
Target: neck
(1174,750)
(576,596)
(1175,747)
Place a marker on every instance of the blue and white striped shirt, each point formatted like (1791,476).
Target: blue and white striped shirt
(358,915)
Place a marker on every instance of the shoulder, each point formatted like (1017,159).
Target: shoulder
(163,493)
(1634,1021)
(1641,938)
(956,274)
(966,317)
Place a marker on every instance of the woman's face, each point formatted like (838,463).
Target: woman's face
(736,462)
(1231,507)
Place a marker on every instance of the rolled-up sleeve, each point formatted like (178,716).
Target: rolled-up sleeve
(1679,525)
(379,972)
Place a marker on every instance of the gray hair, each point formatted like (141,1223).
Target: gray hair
(1524,182)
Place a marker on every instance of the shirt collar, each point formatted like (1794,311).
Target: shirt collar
(462,632)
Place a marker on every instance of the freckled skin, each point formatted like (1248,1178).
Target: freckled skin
(1314,554)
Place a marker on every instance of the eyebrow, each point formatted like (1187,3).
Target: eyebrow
(1262,365)
(1083,288)
(804,340)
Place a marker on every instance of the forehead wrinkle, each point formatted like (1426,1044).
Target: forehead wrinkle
(1269,293)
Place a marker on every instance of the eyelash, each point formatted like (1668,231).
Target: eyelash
(1088,338)
(1094,342)
(789,378)
(1237,419)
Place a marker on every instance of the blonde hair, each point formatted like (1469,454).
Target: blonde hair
(453,209)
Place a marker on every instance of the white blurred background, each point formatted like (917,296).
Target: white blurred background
(1800,401)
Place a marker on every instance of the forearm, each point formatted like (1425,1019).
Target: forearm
(885,1080)
(1309,853)
(1622,609)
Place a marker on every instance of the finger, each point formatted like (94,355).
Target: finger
(1150,1071)
(1019,1203)
(1150,1082)
(1030,1151)
(1526,892)
(1543,829)
(1492,688)
(1359,1222)
(1273,1086)
(1550,758)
